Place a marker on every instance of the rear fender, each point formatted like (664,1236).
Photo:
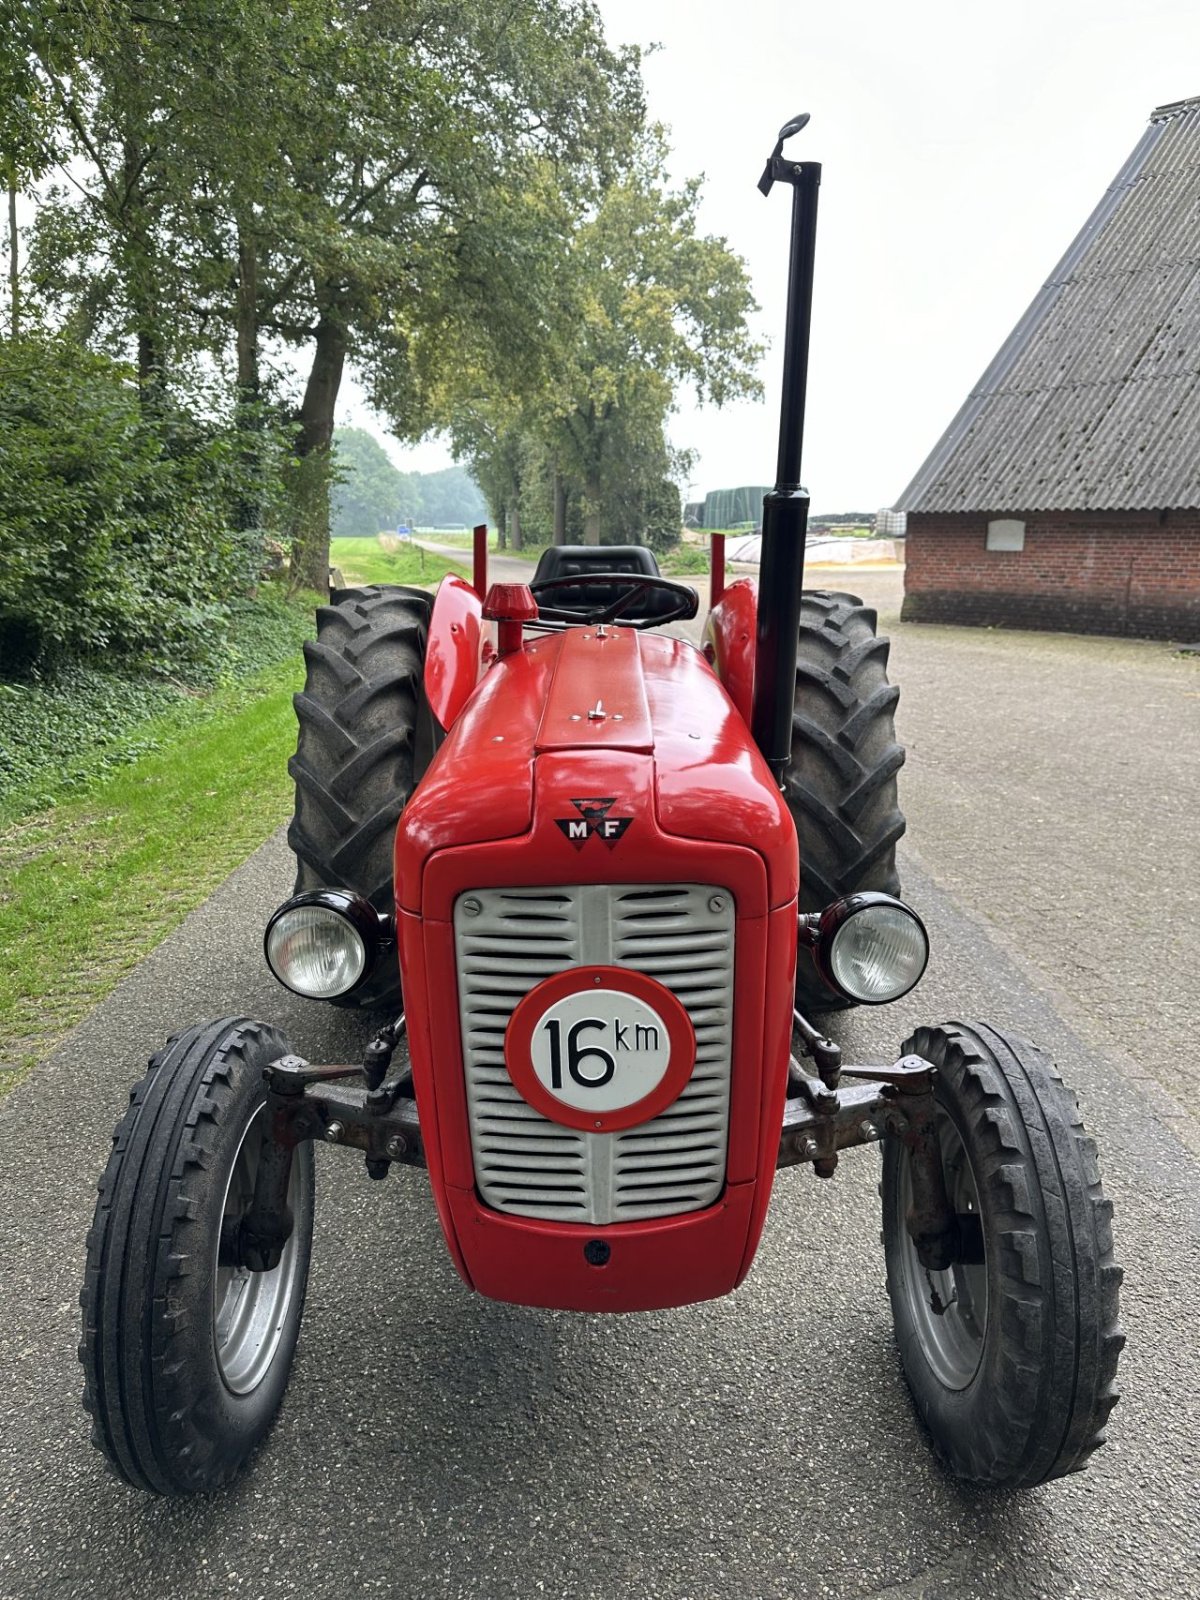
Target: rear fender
(459,650)
(729,642)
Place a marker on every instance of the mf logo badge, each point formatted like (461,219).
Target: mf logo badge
(593,818)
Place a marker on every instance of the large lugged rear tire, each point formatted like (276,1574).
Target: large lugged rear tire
(365,738)
(840,784)
(1011,1360)
(185,1356)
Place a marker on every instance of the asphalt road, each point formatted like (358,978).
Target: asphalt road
(1051,785)
(435,1444)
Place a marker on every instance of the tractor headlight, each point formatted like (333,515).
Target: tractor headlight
(323,943)
(870,947)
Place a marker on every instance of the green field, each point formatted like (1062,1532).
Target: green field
(455,538)
(367,561)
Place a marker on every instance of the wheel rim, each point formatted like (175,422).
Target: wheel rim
(250,1309)
(952,1339)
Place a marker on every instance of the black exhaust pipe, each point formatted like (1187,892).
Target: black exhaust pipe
(785,509)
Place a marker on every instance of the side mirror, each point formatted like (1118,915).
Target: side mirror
(789,128)
(786,132)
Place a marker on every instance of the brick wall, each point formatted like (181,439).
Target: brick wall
(1124,572)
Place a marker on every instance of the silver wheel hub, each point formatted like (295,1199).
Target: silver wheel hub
(948,1310)
(250,1309)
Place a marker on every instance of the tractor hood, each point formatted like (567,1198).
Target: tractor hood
(600,703)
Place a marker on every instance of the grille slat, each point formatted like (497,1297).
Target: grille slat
(529,1166)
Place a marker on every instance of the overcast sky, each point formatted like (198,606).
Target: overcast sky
(963,146)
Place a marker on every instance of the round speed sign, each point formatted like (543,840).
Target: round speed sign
(600,1048)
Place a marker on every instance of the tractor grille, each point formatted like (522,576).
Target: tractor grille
(531,1167)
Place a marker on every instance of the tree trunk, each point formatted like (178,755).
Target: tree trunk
(150,365)
(591,519)
(14,265)
(247,319)
(502,528)
(560,509)
(248,509)
(310,534)
(140,270)
(515,524)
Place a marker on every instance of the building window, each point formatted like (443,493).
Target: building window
(1006,533)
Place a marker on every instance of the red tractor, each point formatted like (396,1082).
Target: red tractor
(613,876)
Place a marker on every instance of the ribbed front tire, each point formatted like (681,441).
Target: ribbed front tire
(1011,1358)
(186,1355)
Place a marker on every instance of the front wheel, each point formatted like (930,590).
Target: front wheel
(1011,1354)
(185,1352)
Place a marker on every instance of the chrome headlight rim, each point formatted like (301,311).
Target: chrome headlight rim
(831,921)
(371,928)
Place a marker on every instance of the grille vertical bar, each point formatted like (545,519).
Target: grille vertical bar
(529,1166)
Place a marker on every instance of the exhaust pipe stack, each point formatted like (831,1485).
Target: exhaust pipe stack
(785,509)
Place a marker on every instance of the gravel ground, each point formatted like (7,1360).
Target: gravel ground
(435,1444)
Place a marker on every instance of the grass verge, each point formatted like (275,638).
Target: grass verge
(62,734)
(367,561)
(455,538)
(90,887)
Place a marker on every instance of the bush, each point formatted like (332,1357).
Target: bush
(114,526)
(664,516)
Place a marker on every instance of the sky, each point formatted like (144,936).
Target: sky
(963,146)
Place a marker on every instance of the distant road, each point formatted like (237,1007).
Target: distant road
(503,568)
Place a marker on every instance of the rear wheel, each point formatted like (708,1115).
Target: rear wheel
(840,784)
(366,736)
(1011,1355)
(186,1354)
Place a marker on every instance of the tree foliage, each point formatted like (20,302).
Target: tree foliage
(116,528)
(644,303)
(460,201)
(378,205)
(371,494)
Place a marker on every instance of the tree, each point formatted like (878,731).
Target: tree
(29,133)
(659,306)
(369,493)
(450,497)
(424,225)
(378,203)
(642,304)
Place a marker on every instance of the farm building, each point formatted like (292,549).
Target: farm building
(1066,492)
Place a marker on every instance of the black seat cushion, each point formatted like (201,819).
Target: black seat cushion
(564,560)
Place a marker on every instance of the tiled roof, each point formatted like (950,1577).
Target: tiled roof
(1093,401)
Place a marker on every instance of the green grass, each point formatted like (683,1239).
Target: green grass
(367,561)
(90,887)
(527,552)
(60,735)
(685,558)
(455,538)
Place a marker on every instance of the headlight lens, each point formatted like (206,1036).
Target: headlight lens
(877,949)
(315,951)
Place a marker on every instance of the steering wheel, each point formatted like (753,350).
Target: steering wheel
(634,585)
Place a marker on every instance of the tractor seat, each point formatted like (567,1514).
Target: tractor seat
(562,560)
